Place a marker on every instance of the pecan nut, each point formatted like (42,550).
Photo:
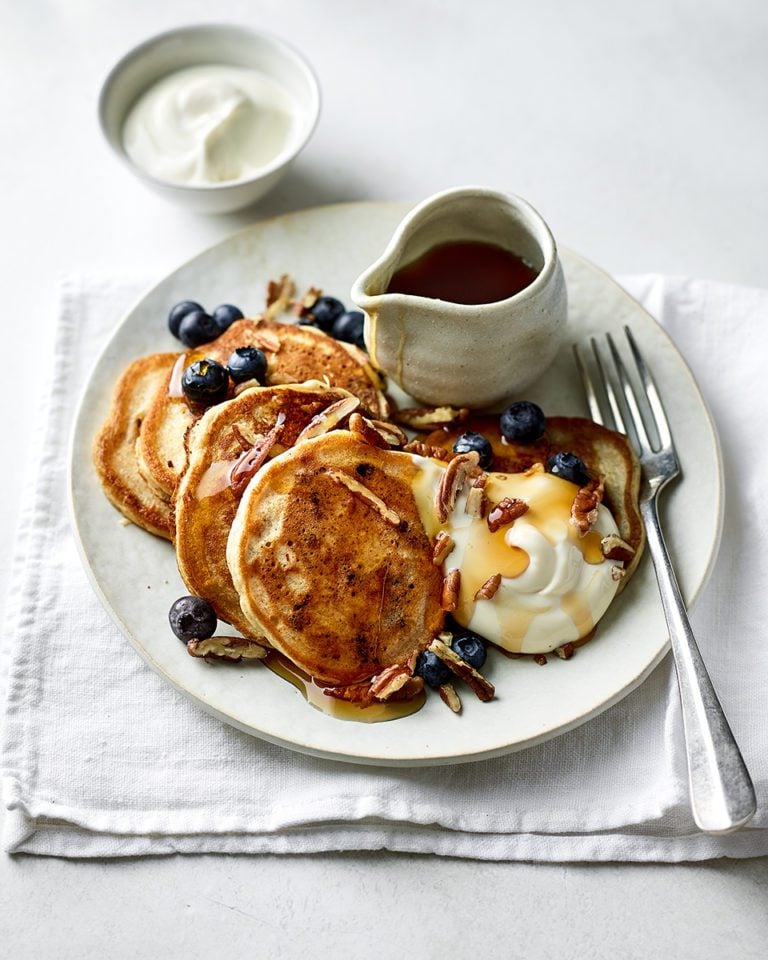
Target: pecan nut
(614,548)
(489,588)
(427,418)
(505,512)
(585,504)
(231,649)
(442,547)
(452,481)
(451,584)
(426,450)
(449,696)
(482,688)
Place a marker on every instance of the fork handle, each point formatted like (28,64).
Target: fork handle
(722,794)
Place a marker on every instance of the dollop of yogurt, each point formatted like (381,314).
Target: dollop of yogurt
(555,584)
(209,124)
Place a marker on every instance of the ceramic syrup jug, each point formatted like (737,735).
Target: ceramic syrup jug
(465,355)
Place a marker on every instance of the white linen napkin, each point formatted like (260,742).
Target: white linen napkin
(102,758)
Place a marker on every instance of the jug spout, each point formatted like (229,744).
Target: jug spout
(469,353)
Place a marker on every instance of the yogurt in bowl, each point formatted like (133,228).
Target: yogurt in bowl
(210,116)
(209,124)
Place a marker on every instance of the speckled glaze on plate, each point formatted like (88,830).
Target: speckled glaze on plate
(329,247)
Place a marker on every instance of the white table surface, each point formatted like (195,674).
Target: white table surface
(640,131)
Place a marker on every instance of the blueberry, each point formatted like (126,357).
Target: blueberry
(475,441)
(432,669)
(325,311)
(197,328)
(470,647)
(192,618)
(205,382)
(523,422)
(225,315)
(178,313)
(247,363)
(349,328)
(569,467)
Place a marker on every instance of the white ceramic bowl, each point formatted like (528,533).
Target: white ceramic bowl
(210,44)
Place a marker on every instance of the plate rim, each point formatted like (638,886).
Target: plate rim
(350,755)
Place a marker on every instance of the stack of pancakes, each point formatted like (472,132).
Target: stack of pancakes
(291,505)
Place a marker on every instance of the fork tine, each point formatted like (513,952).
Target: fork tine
(589,387)
(613,401)
(652,394)
(629,396)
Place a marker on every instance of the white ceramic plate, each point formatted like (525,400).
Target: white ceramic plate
(329,247)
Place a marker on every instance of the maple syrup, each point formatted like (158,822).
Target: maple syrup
(466,272)
(341,709)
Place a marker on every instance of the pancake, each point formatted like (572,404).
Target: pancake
(294,354)
(604,452)
(206,501)
(114,448)
(331,561)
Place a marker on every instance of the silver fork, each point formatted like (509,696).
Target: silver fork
(721,790)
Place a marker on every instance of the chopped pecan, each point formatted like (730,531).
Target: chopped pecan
(361,692)
(389,681)
(427,450)
(247,464)
(279,294)
(245,385)
(614,548)
(618,573)
(540,659)
(442,547)
(362,492)
(565,652)
(489,588)
(477,502)
(451,584)
(231,649)
(329,418)
(427,418)
(391,432)
(505,512)
(306,301)
(481,687)
(452,481)
(267,340)
(585,504)
(364,429)
(449,696)
(351,693)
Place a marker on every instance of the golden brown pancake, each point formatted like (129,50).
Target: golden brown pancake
(206,501)
(331,560)
(114,448)
(294,354)
(604,452)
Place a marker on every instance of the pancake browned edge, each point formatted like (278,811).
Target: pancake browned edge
(295,353)
(206,502)
(114,447)
(604,452)
(332,562)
